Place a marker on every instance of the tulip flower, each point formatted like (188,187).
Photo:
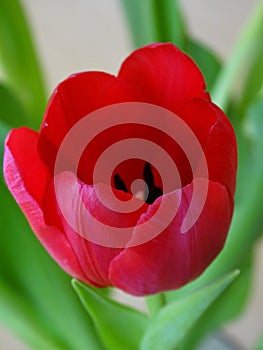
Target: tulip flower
(160,76)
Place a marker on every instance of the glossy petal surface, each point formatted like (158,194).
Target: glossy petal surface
(75,216)
(26,177)
(162,74)
(85,225)
(173,258)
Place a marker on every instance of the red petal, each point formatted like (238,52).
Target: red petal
(161,74)
(73,99)
(133,168)
(79,203)
(26,177)
(221,152)
(173,258)
(21,153)
(217,138)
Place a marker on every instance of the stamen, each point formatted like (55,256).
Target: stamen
(119,183)
(154,192)
(148,175)
(150,194)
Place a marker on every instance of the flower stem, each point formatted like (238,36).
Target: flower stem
(169,21)
(155,20)
(155,303)
(251,34)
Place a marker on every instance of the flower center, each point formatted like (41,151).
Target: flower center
(151,192)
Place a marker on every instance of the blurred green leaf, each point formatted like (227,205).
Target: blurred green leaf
(225,308)
(254,79)
(259,346)
(39,285)
(11,110)
(119,326)
(11,115)
(155,21)
(241,56)
(167,329)
(170,22)
(155,302)
(17,313)
(207,61)
(141,21)
(248,220)
(18,62)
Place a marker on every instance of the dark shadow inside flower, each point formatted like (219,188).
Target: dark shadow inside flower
(127,171)
(153,191)
(150,193)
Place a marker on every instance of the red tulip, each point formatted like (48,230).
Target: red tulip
(158,75)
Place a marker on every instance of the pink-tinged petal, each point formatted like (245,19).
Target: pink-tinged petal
(26,177)
(217,138)
(173,259)
(72,100)
(87,222)
(21,149)
(163,75)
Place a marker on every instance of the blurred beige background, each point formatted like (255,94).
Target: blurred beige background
(92,35)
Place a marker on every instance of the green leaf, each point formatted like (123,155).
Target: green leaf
(259,346)
(237,63)
(11,115)
(155,21)
(167,329)
(11,110)
(14,311)
(119,326)
(19,65)
(170,22)
(254,79)
(39,285)
(207,61)
(155,302)
(225,308)
(248,221)
(141,21)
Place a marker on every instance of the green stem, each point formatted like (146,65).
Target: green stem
(251,34)
(141,19)
(155,20)
(169,22)
(155,303)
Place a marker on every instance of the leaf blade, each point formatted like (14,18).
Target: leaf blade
(19,62)
(155,21)
(120,327)
(207,61)
(167,329)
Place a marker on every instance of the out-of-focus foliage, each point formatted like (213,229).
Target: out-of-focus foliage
(118,326)
(36,298)
(172,323)
(19,64)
